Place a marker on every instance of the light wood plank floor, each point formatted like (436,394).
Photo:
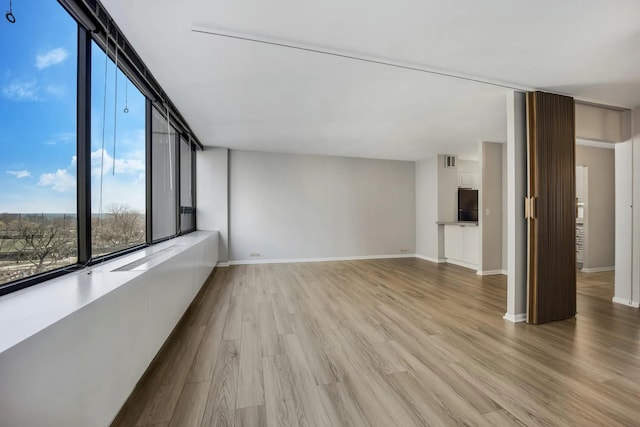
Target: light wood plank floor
(386,342)
(598,285)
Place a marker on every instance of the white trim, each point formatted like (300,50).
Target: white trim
(515,318)
(596,144)
(490,272)
(222,264)
(597,269)
(623,301)
(462,264)
(293,260)
(426,258)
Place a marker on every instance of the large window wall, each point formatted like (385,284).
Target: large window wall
(164,182)
(95,160)
(38,210)
(118,170)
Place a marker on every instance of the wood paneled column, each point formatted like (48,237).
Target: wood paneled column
(551,207)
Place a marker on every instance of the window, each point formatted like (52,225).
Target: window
(187,211)
(38,210)
(88,168)
(163,177)
(118,186)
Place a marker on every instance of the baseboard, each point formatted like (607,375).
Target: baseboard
(462,264)
(597,269)
(222,264)
(624,301)
(427,258)
(295,260)
(490,272)
(515,318)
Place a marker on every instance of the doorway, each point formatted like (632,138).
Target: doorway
(595,219)
(581,193)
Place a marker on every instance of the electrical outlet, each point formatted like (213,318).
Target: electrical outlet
(255,254)
(403,250)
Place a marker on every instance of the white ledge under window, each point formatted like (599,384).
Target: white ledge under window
(95,326)
(28,311)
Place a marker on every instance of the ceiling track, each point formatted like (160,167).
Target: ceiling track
(355,57)
(381,61)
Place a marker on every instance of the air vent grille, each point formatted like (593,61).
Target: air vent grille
(137,263)
(132,265)
(449,161)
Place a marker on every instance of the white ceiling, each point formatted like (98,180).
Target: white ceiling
(245,95)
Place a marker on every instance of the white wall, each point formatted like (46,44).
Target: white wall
(516,192)
(468,166)
(490,214)
(627,173)
(600,207)
(212,195)
(427,233)
(447,191)
(289,206)
(80,370)
(623,223)
(504,208)
(599,123)
(635,252)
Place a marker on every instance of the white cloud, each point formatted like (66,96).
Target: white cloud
(130,193)
(64,180)
(53,57)
(62,138)
(133,164)
(60,181)
(20,90)
(134,138)
(20,174)
(56,90)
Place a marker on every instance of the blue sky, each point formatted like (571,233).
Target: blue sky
(38,118)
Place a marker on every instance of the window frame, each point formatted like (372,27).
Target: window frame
(176,175)
(93,23)
(182,209)
(86,159)
(82,129)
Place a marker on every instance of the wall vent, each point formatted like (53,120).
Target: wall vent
(449,161)
(137,263)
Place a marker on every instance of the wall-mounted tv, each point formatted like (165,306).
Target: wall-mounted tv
(467,205)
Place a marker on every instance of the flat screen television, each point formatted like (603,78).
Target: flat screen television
(467,205)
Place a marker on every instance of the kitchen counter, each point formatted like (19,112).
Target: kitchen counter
(459,223)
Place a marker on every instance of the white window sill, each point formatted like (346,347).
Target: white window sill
(27,312)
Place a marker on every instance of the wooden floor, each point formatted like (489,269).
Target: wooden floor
(598,285)
(387,342)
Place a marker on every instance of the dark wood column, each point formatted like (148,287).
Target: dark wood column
(551,207)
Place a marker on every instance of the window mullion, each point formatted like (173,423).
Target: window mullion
(193,185)
(84,145)
(176,179)
(149,168)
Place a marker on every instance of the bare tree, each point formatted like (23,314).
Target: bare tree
(43,241)
(122,228)
(5,239)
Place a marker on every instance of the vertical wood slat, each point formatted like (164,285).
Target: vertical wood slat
(552,256)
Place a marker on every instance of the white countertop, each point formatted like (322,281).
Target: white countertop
(459,223)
